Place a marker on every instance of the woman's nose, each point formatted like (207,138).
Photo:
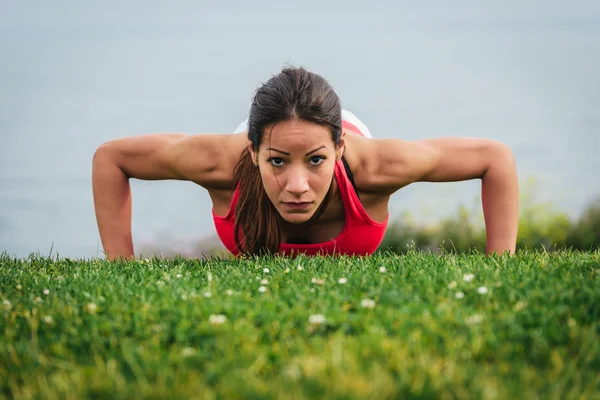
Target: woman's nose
(297,182)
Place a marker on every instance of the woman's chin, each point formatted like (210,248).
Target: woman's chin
(296,218)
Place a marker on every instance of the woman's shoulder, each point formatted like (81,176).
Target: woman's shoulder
(361,155)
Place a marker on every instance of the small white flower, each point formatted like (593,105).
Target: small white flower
(459,295)
(482,290)
(452,285)
(313,280)
(207,294)
(217,319)
(46,292)
(183,297)
(38,299)
(367,303)
(312,290)
(342,281)
(91,308)
(300,268)
(266,270)
(48,319)
(229,292)
(19,287)
(468,277)
(262,289)
(287,270)
(264,282)
(382,269)
(7,305)
(316,319)
(474,319)
(188,351)
(179,275)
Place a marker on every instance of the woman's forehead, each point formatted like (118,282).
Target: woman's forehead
(295,134)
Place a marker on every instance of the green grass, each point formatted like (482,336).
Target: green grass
(137,330)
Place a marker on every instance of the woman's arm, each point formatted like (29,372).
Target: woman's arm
(197,158)
(400,163)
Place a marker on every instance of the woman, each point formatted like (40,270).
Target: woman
(301,179)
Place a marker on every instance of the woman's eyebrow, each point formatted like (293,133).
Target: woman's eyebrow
(287,154)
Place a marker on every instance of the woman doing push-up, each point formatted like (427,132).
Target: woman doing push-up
(301,175)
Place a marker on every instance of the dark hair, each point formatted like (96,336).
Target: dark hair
(294,93)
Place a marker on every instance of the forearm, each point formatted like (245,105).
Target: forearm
(500,200)
(112,203)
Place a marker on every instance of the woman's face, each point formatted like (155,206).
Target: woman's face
(296,160)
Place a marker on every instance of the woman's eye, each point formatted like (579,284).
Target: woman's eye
(317,160)
(277,162)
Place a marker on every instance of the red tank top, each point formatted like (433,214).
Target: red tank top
(361,235)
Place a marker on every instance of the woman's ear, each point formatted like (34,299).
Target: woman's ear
(342,147)
(253,155)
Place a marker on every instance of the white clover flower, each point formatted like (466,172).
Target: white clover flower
(313,280)
(38,299)
(207,294)
(46,292)
(188,351)
(468,277)
(266,270)
(262,289)
(7,305)
(459,295)
(316,319)
(217,319)
(482,290)
(287,270)
(300,268)
(184,297)
(264,282)
(367,303)
(19,287)
(48,319)
(342,281)
(452,285)
(91,308)
(229,292)
(179,275)
(474,319)
(382,269)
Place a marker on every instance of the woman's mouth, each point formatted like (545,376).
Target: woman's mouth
(298,205)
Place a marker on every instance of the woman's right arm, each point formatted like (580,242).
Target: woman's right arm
(197,158)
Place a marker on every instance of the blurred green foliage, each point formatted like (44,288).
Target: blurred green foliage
(541,225)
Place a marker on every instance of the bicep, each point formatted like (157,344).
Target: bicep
(447,159)
(163,155)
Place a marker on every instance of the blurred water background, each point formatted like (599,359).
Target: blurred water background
(76,74)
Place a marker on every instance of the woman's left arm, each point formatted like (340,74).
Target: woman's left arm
(451,159)
(500,200)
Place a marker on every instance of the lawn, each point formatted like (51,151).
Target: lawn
(382,327)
